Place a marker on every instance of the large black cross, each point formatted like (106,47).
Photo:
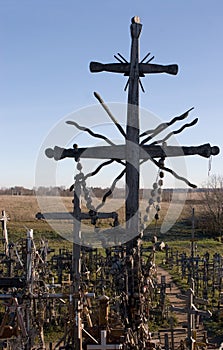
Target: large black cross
(132,151)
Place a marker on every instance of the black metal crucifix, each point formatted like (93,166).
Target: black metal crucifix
(132,152)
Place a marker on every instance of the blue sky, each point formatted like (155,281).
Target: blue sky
(46,47)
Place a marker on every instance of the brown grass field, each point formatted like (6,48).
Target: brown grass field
(22,210)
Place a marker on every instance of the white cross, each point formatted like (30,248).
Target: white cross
(104,345)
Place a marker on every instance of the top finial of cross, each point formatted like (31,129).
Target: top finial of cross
(135,19)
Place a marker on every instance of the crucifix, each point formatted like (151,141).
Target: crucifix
(104,345)
(4,221)
(133,152)
(191,311)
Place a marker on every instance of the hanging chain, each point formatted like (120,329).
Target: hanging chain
(209,165)
(80,179)
(155,197)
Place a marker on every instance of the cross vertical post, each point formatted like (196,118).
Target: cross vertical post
(132,152)
(132,135)
(76,268)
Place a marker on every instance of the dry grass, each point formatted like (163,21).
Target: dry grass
(22,210)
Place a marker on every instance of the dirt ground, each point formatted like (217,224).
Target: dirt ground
(180,329)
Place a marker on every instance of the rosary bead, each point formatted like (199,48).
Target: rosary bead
(151,201)
(161,174)
(155,185)
(142,226)
(153,193)
(161,163)
(156,216)
(148,210)
(79,166)
(88,200)
(78,177)
(160,182)
(158,207)
(145,218)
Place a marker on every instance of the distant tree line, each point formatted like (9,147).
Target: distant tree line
(95,192)
(16,191)
(49,191)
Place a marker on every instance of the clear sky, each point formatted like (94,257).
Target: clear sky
(46,47)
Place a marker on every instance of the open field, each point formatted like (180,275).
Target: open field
(22,210)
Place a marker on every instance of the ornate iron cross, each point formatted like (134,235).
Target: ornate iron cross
(133,151)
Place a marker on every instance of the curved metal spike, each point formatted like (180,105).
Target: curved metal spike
(101,166)
(83,128)
(98,97)
(109,192)
(163,126)
(176,131)
(174,173)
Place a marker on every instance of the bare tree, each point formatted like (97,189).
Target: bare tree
(212,206)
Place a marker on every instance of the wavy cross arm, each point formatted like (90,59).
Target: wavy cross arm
(163,126)
(109,192)
(98,97)
(101,166)
(83,128)
(187,125)
(173,173)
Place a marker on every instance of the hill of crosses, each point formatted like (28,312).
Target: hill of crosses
(104,297)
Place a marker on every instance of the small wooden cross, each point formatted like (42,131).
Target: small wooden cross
(4,221)
(104,345)
(191,311)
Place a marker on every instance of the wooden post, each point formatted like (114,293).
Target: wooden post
(76,268)
(166,341)
(132,137)
(4,220)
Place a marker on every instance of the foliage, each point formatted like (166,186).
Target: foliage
(211,217)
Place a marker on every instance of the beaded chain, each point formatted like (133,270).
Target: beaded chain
(153,202)
(155,196)
(81,179)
